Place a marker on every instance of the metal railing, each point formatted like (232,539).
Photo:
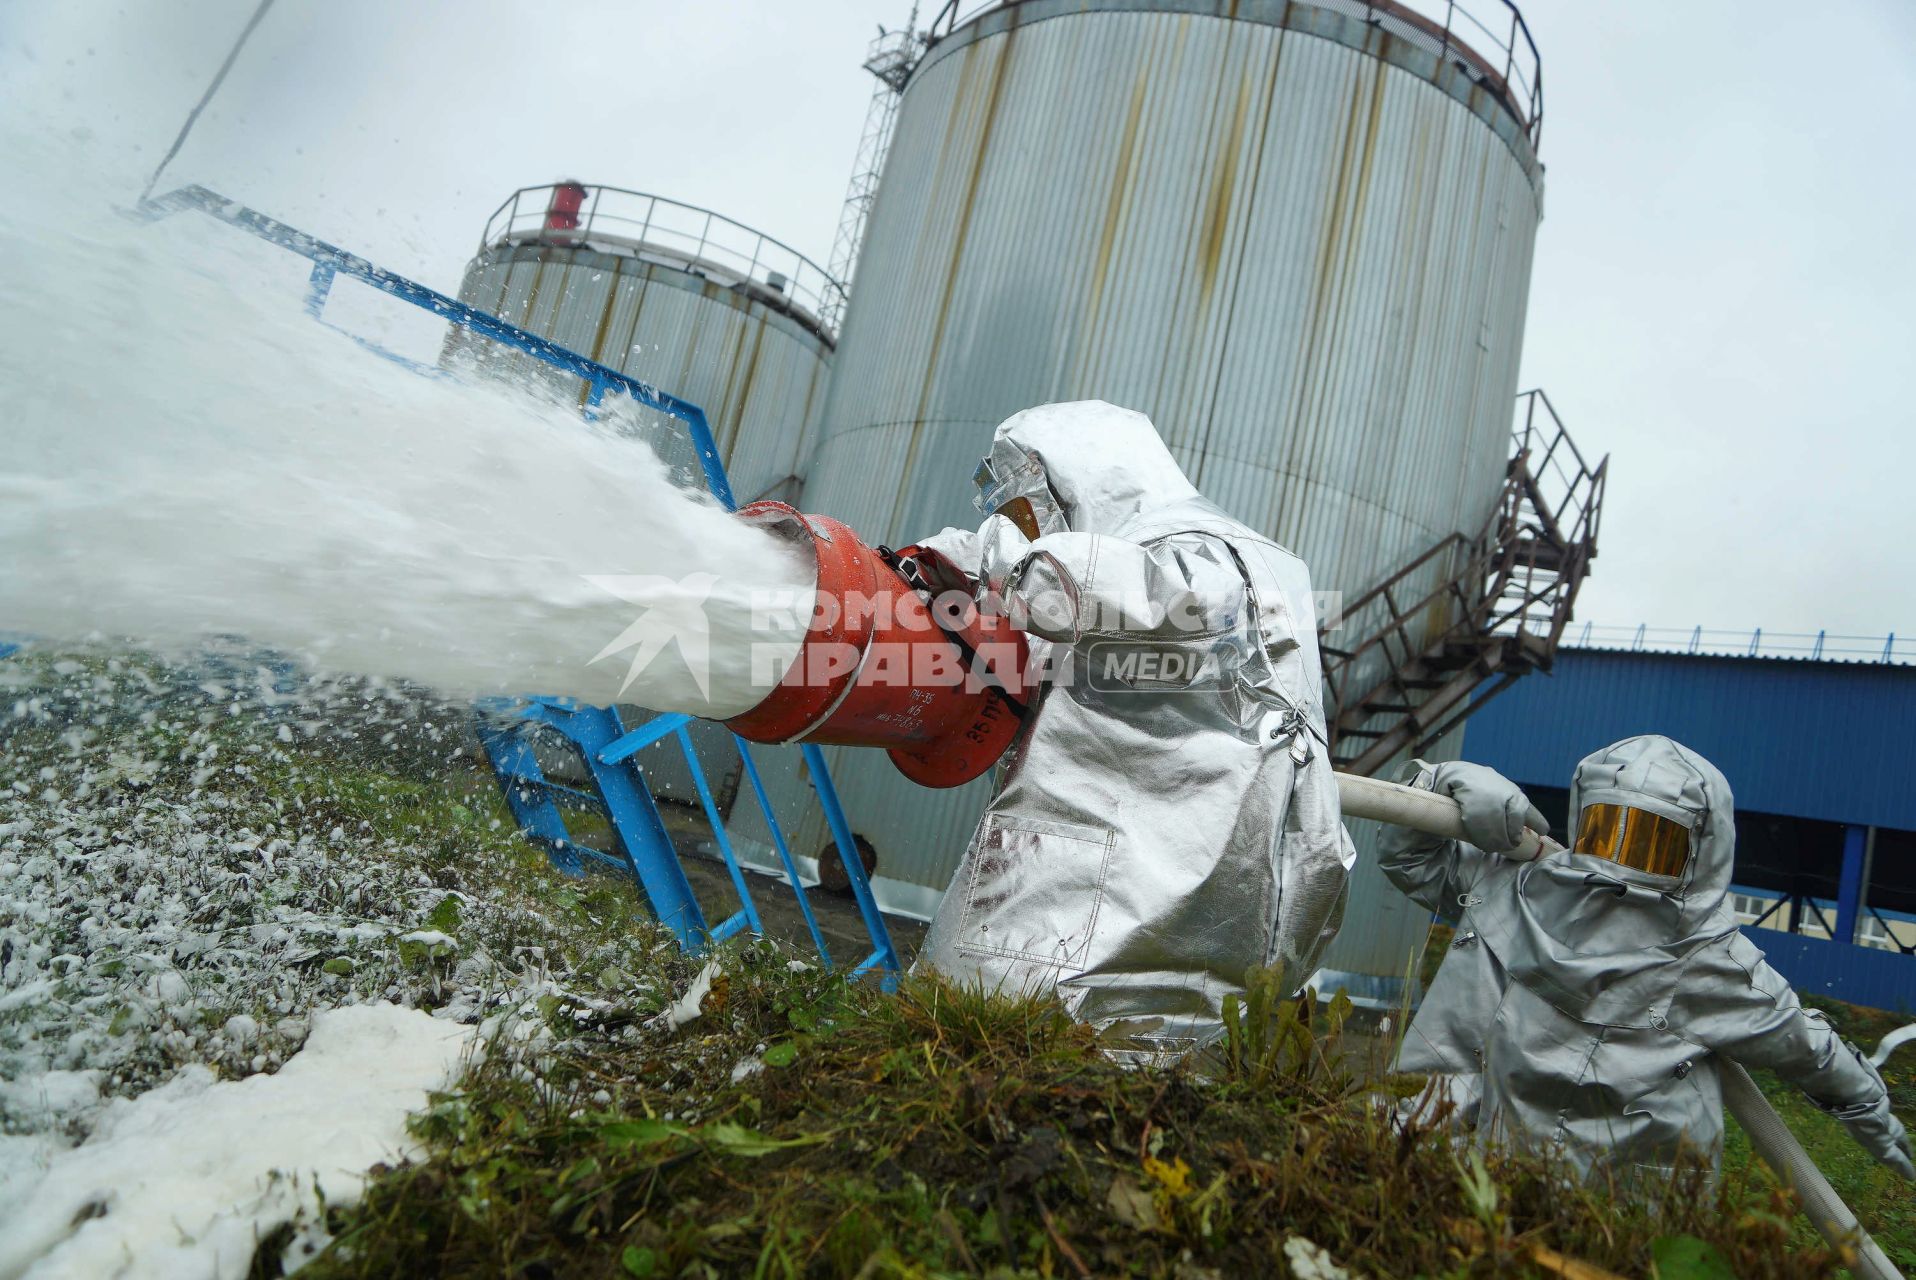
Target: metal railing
(1488,39)
(1794,906)
(893,56)
(1824,646)
(330,261)
(637,224)
(1548,522)
(1499,600)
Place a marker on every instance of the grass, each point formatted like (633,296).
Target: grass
(1882,1200)
(332,820)
(945,1132)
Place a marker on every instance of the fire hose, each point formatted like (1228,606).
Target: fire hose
(1439,815)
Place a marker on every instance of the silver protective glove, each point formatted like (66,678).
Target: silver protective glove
(1876,1130)
(1495,811)
(1898,1156)
(1874,1127)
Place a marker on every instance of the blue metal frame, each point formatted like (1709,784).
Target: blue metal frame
(604,744)
(883,955)
(1849,895)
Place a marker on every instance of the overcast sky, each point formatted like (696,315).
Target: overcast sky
(1724,280)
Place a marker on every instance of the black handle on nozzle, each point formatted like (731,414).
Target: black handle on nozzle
(908,568)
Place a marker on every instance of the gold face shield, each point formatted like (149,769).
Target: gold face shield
(1020,513)
(1635,838)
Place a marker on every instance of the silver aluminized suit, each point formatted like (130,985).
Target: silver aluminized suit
(1167,818)
(1589,1000)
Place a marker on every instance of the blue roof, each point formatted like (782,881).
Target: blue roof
(1828,740)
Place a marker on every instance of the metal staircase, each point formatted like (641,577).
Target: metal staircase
(1470,610)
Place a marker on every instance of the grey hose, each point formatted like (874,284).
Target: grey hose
(1439,815)
(1891,1043)
(1420,810)
(1772,1140)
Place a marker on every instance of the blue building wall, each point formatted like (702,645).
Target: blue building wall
(1828,740)
(1860,975)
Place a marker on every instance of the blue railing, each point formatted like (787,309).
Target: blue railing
(603,742)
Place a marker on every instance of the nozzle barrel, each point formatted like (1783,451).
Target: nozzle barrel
(933,680)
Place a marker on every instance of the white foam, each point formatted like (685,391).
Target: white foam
(188,455)
(187,1178)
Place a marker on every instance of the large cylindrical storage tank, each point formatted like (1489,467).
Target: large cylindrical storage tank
(680,297)
(677,296)
(1297,235)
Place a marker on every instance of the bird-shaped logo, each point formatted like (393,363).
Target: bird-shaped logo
(673,613)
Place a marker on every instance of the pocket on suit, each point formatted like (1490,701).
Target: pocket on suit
(1035,890)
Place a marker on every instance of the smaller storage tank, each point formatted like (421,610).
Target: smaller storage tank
(681,297)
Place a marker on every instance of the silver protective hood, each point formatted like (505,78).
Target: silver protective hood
(1167,819)
(1105,464)
(1605,943)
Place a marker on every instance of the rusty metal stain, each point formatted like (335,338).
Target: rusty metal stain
(1255,175)
(1198,340)
(694,340)
(641,282)
(759,374)
(1321,311)
(1350,261)
(1171,76)
(1223,184)
(1299,315)
(1120,192)
(605,316)
(741,395)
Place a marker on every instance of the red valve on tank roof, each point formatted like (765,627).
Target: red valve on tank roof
(562,211)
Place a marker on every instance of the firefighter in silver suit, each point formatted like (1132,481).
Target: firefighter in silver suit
(1589,996)
(1167,819)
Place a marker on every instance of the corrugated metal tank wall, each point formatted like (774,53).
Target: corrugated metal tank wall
(760,375)
(1301,245)
(1308,266)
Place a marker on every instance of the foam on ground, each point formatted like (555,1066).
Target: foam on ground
(187,1178)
